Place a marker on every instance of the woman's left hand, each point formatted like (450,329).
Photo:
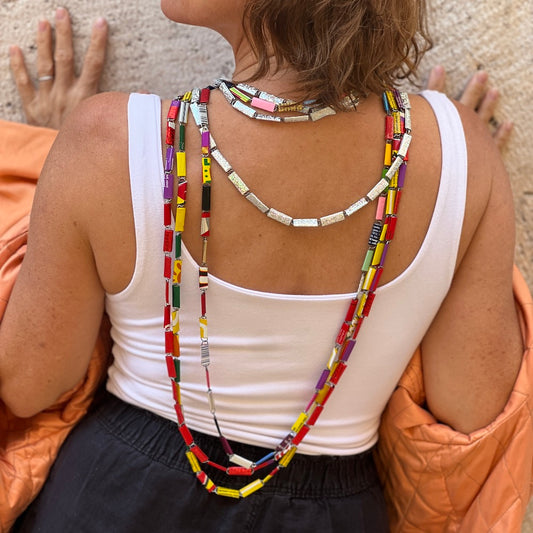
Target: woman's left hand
(59,90)
(478,96)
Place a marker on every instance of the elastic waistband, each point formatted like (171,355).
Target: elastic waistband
(306,476)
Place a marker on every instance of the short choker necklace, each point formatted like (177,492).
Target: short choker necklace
(382,232)
(401,145)
(247,100)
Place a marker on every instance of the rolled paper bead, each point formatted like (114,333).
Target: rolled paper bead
(239,471)
(175,322)
(204,251)
(383,232)
(176,274)
(251,488)
(284,445)
(167,266)
(391,100)
(167,214)
(362,301)
(332,219)
(181,140)
(203,303)
(305,222)
(402,123)
(287,458)
(182,193)
(201,476)
(341,337)
(263,104)
(327,395)
(368,260)
(355,207)
(375,281)
(368,305)
(254,200)
(375,232)
(167,292)
(238,182)
(181,159)
(369,278)
(243,108)
(226,446)
(205,139)
(322,394)
(396,145)
(211,401)
(228,493)
(391,197)
(296,118)
(300,421)
(337,374)
(169,342)
(407,122)
(333,357)
(176,296)
(173,110)
(166,317)
(406,104)
(203,277)
(404,146)
(186,434)
(177,406)
(176,345)
(394,181)
(384,254)
(351,310)
(321,113)
(380,207)
(203,328)
(347,350)
(180,219)
(274,214)
(172,366)
(265,460)
(221,160)
(385,103)
(200,455)
(322,380)
(241,461)
(301,435)
(273,472)
(193,461)
(168,186)
(380,186)
(204,96)
(394,168)
(377,253)
(239,94)
(317,411)
(183,112)
(397,202)
(397,124)
(167,240)
(206,169)
(177,245)
(389,127)
(205,224)
(171,133)
(387,161)
(391,227)
(401,176)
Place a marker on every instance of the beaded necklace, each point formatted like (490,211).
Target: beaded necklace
(397,130)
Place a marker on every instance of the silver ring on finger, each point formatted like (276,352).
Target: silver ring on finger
(45,78)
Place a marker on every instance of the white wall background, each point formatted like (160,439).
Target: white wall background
(149,53)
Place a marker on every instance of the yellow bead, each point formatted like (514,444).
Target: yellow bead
(333,357)
(206,169)
(391,198)
(394,180)
(175,322)
(203,328)
(195,465)
(378,253)
(369,278)
(209,485)
(383,232)
(322,394)
(182,164)
(180,219)
(176,278)
(362,303)
(230,493)
(251,488)
(302,419)
(287,458)
(388,155)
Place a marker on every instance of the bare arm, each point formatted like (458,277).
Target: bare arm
(53,316)
(472,351)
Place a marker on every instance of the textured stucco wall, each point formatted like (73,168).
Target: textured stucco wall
(149,53)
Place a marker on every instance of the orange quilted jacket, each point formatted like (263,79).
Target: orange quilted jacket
(435,479)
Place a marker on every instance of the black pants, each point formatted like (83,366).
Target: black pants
(124,470)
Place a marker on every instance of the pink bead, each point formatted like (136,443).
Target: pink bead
(263,104)
(380,207)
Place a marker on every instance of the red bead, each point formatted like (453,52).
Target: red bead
(201,456)
(169,342)
(204,96)
(357,328)
(316,413)
(339,371)
(351,310)
(342,333)
(391,227)
(239,471)
(202,477)
(167,214)
(389,127)
(166,319)
(395,145)
(179,414)
(204,304)
(216,465)
(168,267)
(167,293)
(327,396)
(167,240)
(300,435)
(368,304)
(171,369)
(171,135)
(173,111)
(186,434)
(397,201)
(182,190)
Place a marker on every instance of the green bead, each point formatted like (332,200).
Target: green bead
(177,246)
(368,260)
(176,296)
(181,144)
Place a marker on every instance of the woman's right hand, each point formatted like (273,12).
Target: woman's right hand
(58,90)
(479,97)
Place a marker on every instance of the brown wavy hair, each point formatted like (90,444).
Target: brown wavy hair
(338,47)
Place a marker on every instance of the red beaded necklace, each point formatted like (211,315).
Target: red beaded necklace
(388,193)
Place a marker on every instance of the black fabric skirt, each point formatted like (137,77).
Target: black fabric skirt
(124,470)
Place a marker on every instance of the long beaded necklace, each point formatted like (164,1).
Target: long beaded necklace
(397,136)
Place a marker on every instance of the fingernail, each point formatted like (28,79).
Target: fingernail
(13,50)
(42,25)
(439,70)
(100,23)
(61,13)
(482,77)
(493,94)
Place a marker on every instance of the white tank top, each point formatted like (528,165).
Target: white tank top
(268,350)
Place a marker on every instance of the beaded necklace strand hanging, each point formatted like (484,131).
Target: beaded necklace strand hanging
(397,127)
